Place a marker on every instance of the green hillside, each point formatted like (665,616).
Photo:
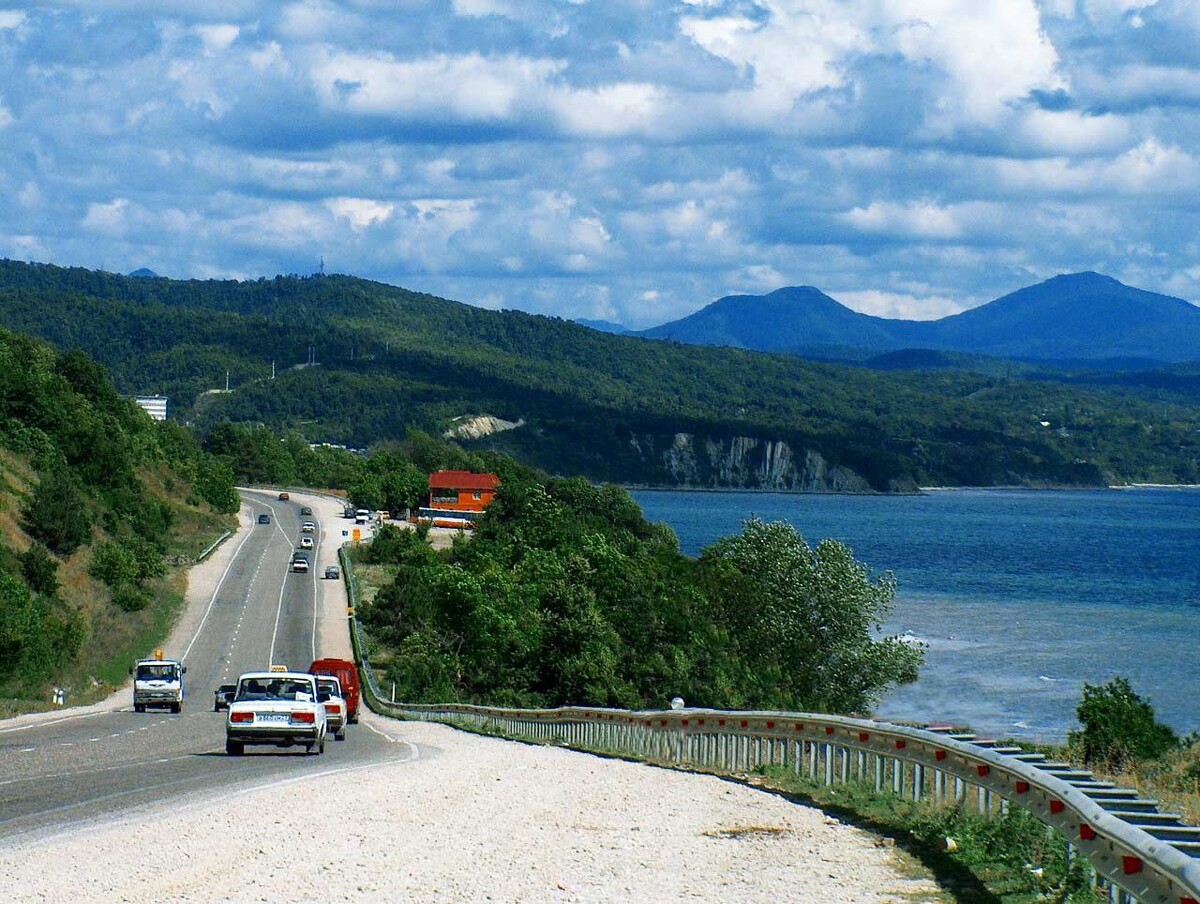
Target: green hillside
(95,500)
(605,406)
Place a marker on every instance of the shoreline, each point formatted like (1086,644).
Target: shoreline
(919,491)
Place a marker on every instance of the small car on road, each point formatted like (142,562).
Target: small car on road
(280,708)
(306,542)
(284,496)
(300,564)
(305,510)
(329,692)
(264,519)
(308,527)
(223,696)
(332,572)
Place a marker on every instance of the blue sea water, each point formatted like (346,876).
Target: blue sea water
(1021,596)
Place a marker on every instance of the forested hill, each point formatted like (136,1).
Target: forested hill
(604,406)
(94,498)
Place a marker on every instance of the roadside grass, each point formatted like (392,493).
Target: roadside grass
(1010,858)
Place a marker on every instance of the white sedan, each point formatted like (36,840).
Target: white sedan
(329,691)
(306,542)
(280,708)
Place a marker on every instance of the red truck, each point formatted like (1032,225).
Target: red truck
(343,670)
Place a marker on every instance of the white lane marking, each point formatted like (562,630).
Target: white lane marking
(58,721)
(316,564)
(132,764)
(220,583)
(414,755)
(28,749)
(275,631)
(382,734)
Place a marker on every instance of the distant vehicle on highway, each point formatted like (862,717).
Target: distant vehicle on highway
(343,670)
(362,516)
(333,572)
(306,542)
(280,708)
(329,692)
(223,696)
(305,510)
(308,527)
(264,519)
(158,682)
(300,564)
(348,512)
(284,496)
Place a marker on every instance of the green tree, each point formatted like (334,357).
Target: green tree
(804,620)
(39,569)
(1119,726)
(56,513)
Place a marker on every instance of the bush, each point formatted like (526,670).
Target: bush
(39,570)
(56,513)
(1119,726)
(130,598)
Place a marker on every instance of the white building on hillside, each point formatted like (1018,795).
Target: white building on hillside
(155,406)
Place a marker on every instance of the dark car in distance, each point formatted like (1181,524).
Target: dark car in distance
(264,519)
(284,497)
(223,696)
(306,510)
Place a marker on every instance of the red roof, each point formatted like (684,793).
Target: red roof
(462,480)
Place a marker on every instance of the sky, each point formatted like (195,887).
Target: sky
(626,160)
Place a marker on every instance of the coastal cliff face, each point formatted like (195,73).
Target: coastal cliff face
(743,462)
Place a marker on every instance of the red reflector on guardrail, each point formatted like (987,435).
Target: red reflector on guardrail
(1086,832)
(1022,787)
(770,725)
(683,722)
(863,736)
(1131,865)
(828,729)
(900,745)
(799,726)
(940,755)
(1056,806)
(982,769)
(744,723)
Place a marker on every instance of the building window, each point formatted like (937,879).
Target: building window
(477,495)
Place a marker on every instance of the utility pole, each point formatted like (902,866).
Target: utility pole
(272,369)
(227,381)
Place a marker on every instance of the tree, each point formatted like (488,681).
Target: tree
(56,513)
(39,570)
(804,620)
(1119,726)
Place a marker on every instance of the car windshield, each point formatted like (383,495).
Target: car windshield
(328,688)
(275,689)
(156,672)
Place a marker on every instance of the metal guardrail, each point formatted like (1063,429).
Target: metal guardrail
(1139,854)
(212,546)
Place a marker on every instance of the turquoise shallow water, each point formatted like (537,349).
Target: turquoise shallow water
(1021,596)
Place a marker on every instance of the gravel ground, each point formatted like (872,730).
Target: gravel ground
(460,817)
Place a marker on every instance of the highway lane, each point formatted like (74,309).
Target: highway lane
(77,769)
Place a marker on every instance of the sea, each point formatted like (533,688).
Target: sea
(1020,596)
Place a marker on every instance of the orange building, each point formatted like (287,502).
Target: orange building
(455,497)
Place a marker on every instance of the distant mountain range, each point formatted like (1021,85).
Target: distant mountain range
(1079,317)
(604,326)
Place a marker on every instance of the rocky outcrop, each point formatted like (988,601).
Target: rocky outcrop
(478,426)
(743,462)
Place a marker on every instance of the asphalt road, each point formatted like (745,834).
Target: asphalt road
(79,769)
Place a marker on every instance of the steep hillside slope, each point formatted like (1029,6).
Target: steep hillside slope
(95,498)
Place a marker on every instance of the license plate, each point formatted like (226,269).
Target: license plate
(273,717)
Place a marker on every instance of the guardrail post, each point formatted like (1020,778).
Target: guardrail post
(918,782)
